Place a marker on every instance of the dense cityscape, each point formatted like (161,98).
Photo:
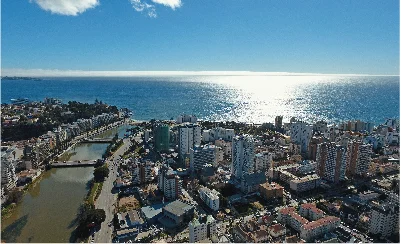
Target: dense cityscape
(191,180)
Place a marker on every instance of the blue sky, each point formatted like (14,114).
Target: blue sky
(353,36)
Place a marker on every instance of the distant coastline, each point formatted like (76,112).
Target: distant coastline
(19,78)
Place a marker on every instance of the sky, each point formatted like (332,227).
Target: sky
(314,36)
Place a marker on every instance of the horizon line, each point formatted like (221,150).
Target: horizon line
(125,73)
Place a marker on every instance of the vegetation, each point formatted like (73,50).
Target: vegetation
(88,218)
(101,173)
(15,196)
(96,188)
(50,118)
(115,144)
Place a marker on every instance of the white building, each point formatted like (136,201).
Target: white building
(147,135)
(169,183)
(319,227)
(301,133)
(201,155)
(189,135)
(202,228)
(331,162)
(243,154)
(384,219)
(263,161)
(186,118)
(306,183)
(210,197)
(218,133)
(8,176)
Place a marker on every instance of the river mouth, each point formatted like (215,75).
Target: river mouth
(48,211)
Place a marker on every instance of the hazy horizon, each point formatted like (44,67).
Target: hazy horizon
(125,73)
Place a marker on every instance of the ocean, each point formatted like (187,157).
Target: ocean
(243,98)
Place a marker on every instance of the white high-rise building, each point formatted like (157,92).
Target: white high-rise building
(243,154)
(186,118)
(189,135)
(199,156)
(210,197)
(202,228)
(358,158)
(331,161)
(169,183)
(301,133)
(218,133)
(384,220)
(8,176)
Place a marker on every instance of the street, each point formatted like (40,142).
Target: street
(106,198)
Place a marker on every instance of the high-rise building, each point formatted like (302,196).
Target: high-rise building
(202,228)
(278,122)
(8,176)
(141,172)
(301,133)
(162,137)
(312,151)
(358,158)
(217,133)
(169,183)
(331,162)
(385,219)
(186,118)
(189,135)
(243,154)
(202,155)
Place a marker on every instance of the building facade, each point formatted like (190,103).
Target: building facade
(202,228)
(210,197)
(243,154)
(331,162)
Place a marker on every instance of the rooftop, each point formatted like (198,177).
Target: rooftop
(320,222)
(177,207)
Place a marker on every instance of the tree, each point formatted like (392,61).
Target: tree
(14,196)
(96,216)
(101,173)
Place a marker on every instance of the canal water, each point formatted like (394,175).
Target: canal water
(48,211)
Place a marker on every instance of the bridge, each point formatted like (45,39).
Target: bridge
(98,140)
(83,163)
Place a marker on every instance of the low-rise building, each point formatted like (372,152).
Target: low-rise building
(271,190)
(210,197)
(249,232)
(319,227)
(277,230)
(176,214)
(310,211)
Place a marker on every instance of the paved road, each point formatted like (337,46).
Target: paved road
(106,199)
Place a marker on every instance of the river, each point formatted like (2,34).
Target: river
(48,211)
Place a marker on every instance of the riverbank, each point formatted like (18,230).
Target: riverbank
(7,211)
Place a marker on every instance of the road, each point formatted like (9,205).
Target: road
(106,198)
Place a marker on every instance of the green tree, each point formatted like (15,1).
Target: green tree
(14,196)
(96,216)
(101,173)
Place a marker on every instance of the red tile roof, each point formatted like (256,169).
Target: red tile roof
(299,218)
(320,222)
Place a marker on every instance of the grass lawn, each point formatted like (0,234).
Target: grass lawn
(95,192)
